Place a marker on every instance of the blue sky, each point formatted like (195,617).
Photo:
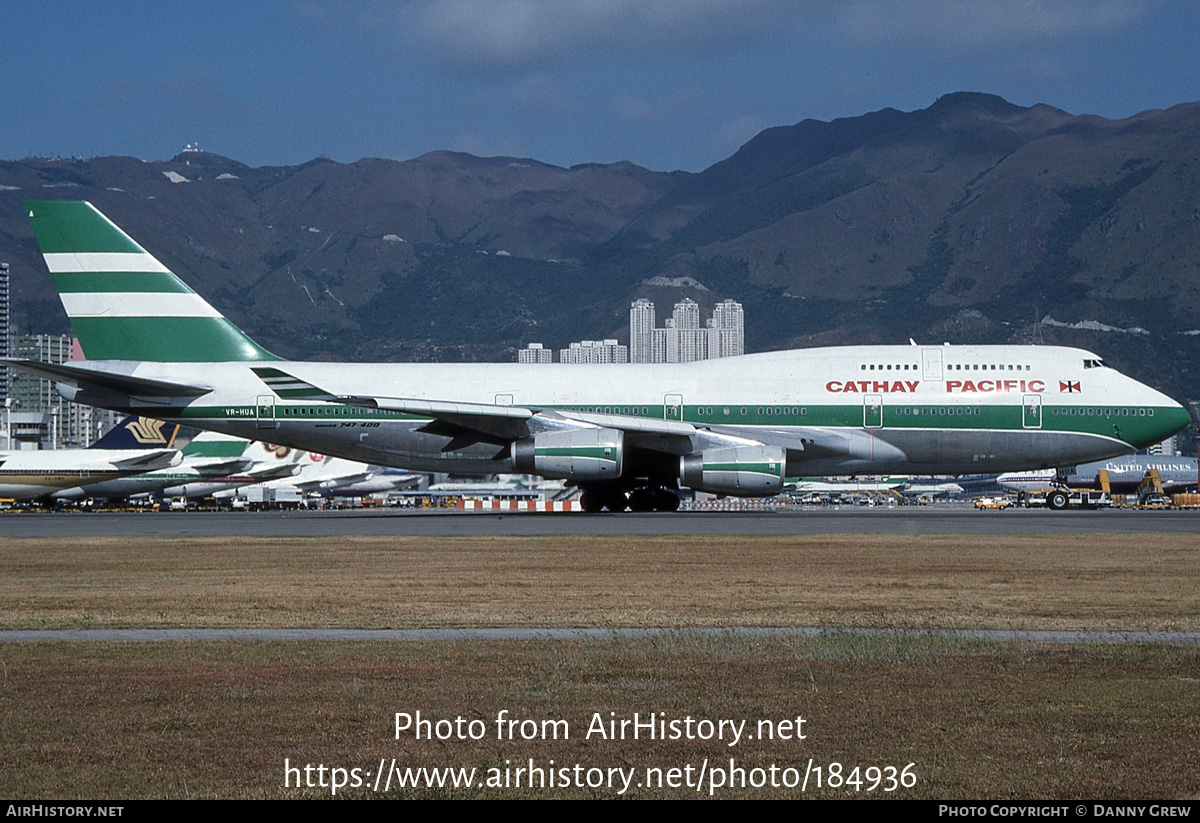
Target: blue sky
(667,84)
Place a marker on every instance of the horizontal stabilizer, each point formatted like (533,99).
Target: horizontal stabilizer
(104,382)
(288,387)
(217,467)
(149,461)
(318,483)
(275,472)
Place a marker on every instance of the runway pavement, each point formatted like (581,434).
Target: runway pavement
(936,519)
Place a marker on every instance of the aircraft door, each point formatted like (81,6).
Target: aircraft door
(872,411)
(1031,412)
(931,364)
(673,407)
(265,411)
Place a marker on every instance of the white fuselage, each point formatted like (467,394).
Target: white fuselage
(1125,474)
(876,409)
(31,475)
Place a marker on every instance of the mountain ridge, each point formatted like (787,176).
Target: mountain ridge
(966,221)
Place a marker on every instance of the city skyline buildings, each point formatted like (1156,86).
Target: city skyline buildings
(682,338)
(727,330)
(4,333)
(535,353)
(594,351)
(41,410)
(641,331)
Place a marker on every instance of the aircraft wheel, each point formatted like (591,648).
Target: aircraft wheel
(1056,500)
(616,501)
(591,502)
(666,501)
(642,500)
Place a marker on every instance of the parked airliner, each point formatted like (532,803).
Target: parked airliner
(131,448)
(1125,474)
(628,434)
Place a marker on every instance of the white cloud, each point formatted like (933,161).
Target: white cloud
(736,133)
(970,26)
(685,103)
(540,95)
(518,35)
(634,109)
(480,146)
(494,35)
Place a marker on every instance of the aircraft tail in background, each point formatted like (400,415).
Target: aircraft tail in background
(139,433)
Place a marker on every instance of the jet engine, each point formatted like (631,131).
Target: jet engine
(577,454)
(744,470)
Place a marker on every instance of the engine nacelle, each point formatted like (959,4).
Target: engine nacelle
(577,454)
(745,471)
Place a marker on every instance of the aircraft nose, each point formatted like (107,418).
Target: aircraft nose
(1174,418)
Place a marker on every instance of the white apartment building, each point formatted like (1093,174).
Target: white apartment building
(535,353)
(683,338)
(594,351)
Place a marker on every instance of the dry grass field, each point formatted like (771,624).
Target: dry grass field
(977,719)
(1085,582)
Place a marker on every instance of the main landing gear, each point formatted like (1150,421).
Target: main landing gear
(642,499)
(1058,498)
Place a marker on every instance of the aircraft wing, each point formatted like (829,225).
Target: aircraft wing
(465,422)
(470,423)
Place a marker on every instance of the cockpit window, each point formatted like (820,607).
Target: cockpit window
(1095,364)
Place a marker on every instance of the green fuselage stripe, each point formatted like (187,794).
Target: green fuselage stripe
(597,452)
(756,468)
(1141,427)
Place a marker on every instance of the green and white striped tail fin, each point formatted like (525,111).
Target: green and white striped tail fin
(123,303)
(211,444)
